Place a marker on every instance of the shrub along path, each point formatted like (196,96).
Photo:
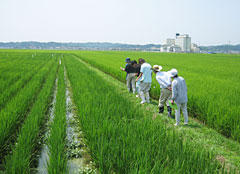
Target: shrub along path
(226,151)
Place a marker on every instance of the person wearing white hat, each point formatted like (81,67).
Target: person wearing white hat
(179,96)
(164,80)
(145,78)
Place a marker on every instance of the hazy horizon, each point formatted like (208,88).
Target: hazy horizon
(110,43)
(126,22)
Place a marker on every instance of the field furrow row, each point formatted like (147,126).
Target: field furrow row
(14,113)
(21,160)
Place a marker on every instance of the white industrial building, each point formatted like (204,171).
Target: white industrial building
(195,48)
(170,48)
(182,43)
(170,41)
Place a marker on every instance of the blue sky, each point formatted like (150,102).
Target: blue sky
(208,22)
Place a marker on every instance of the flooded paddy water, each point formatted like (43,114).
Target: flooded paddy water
(78,153)
(43,158)
(79,159)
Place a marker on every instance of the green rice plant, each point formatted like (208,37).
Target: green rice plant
(12,60)
(12,70)
(19,63)
(212,82)
(12,115)
(57,139)
(122,139)
(20,161)
(17,83)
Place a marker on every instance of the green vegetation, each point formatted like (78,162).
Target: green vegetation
(122,139)
(57,140)
(15,111)
(212,82)
(224,150)
(17,76)
(122,135)
(20,161)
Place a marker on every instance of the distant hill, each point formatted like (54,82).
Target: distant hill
(221,49)
(109,46)
(81,46)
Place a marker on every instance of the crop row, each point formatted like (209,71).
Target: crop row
(16,110)
(212,82)
(14,84)
(22,126)
(11,58)
(21,159)
(124,140)
(57,139)
(14,69)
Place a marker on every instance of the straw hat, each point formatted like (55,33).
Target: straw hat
(157,68)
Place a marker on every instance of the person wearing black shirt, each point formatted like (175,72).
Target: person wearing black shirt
(137,72)
(130,76)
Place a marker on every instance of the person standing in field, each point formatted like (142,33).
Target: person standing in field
(130,75)
(128,61)
(137,73)
(145,78)
(164,80)
(179,96)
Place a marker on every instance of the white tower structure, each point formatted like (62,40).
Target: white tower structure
(184,42)
(170,41)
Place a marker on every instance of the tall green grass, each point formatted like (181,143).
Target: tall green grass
(122,139)
(212,81)
(13,114)
(57,141)
(12,84)
(21,159)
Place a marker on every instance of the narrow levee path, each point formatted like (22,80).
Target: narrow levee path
(225,150)
(79,159)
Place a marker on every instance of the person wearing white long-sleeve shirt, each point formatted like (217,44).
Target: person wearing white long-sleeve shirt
(164,80)
(179,95)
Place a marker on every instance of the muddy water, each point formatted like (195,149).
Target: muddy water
(43,159)
(75,162)
(79,160)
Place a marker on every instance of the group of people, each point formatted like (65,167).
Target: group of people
(173,87)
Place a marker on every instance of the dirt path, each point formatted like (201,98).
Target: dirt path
(200,136)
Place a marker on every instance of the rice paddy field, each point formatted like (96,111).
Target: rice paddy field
(70,112)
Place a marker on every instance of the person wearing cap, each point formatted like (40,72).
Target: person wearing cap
(130,70)
(145,78)
(179,96)
(128,61)
(164,80)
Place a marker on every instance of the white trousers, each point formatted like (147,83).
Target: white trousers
(131,81)
(144,90)
(137,86)
(183,107)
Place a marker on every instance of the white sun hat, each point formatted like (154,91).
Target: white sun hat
(157,67)
(173,72)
